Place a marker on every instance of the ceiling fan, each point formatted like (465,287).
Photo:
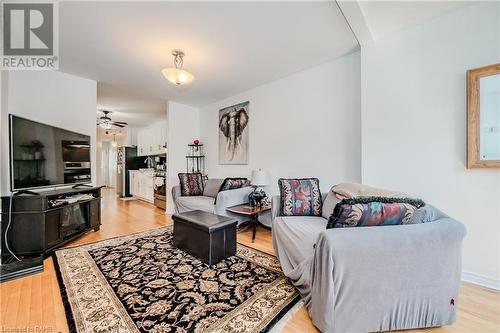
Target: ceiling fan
(105,121)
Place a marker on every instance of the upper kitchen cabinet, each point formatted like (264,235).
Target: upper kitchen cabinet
(161,142)
(151,140)
(143,141)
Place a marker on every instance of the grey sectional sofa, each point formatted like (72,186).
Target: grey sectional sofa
(208,203)
(367,279)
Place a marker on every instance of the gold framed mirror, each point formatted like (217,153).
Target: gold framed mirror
(483,117)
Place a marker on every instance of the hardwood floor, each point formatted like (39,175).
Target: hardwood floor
(34,302)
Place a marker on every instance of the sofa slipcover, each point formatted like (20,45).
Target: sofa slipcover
(206,202)
(367,279)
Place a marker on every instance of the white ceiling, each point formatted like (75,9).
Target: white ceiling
(230,46)
(385,17)
(129,105)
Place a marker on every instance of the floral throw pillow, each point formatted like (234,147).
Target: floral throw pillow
(191,184)
(300,197)
(373,211)
(233,183)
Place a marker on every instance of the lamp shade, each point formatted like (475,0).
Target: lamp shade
(259,178)
(177,76)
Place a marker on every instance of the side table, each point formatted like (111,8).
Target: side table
(252,212)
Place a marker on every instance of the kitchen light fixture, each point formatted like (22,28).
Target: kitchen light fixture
(114,143)
(105,125)
(177,75)
(106,122)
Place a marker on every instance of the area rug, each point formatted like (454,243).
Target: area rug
(141,283)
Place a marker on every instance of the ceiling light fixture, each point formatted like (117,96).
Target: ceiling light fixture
(105,125)
(177,75)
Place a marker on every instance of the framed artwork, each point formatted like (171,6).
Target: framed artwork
(233,134)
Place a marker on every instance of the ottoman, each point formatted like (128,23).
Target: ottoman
(207,236)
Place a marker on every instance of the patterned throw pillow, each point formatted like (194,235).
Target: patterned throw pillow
(373,211)
(233,183)
(191,184)
(300,197)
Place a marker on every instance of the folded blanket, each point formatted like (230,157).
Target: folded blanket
(352,190)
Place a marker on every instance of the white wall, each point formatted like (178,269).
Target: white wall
(304,125)
(414,124)
(183,126)
(49,97)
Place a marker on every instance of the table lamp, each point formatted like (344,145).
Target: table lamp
(258,179)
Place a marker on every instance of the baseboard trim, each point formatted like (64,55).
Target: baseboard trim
(481,280)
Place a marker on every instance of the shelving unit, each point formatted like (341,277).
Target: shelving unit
(195,159)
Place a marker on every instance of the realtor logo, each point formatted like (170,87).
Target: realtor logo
(29,35)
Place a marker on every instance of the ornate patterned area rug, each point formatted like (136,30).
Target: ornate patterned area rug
(141,283)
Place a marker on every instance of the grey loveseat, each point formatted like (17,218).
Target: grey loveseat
(367,279)
(208,203)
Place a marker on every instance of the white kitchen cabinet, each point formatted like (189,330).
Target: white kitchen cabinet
(131,136)
(161,141)
(141,185)
(147,190)
(134,186)
(152,139)
(144,145)
(141,142)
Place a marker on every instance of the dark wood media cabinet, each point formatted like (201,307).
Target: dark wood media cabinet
(38,226)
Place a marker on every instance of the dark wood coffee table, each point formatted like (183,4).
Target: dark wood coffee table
(207,236)
(252,212)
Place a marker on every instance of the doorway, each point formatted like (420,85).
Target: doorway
(108,163)
(108,142)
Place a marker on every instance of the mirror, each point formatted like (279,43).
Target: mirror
(483,117)
(489,94)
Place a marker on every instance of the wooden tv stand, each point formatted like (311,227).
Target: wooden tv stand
(39,226)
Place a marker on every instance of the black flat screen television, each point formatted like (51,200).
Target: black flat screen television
(46,156)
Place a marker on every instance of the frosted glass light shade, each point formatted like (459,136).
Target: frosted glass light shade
(105,125)
(259,178)
(177,76)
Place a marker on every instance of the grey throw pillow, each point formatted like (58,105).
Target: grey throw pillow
(425,214)
(212,187)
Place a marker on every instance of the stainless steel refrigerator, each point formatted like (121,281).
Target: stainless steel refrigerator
(127,160)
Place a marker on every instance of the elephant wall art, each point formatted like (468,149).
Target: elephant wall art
(233,134)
